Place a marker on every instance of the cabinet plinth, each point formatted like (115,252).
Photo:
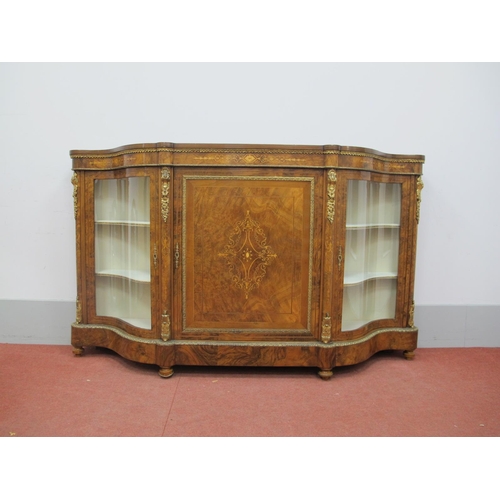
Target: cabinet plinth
(245,255)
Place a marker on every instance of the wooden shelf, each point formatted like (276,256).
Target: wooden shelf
(128,274)
(360,278)
(132,223)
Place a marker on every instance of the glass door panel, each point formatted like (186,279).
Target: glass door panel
(122,250)
(371,252)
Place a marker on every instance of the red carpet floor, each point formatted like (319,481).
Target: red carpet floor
(46,391)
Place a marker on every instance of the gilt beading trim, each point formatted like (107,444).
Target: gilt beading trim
(187,178)
(91,156)
(375,156)
(317,343)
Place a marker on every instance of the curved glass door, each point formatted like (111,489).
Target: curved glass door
(122,250)
(371,252)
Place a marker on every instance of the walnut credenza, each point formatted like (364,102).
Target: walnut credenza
(245,255)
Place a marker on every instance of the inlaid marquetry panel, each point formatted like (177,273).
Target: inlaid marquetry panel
(247,253)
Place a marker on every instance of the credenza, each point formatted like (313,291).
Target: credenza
(245,255)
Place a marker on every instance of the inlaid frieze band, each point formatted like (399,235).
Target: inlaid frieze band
(244,153)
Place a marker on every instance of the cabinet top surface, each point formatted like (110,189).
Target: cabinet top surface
(190,154)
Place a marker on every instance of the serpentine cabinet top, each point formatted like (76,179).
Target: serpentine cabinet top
(250,155)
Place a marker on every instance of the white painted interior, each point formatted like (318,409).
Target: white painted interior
(448,111)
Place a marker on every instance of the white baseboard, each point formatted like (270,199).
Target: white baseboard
(49,322)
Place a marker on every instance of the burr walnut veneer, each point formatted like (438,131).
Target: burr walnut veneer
(245,255)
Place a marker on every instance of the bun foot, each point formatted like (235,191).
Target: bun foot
(325,374)
(409,354)
(78,351)
(166,372)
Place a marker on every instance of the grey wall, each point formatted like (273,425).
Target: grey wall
(449,112)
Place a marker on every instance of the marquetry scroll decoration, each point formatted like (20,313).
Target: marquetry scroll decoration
(420,186)
(165,193)
(247,255)
(330,205)
(326,329)
(165,326)
(74,181)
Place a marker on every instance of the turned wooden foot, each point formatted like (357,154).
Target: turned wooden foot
(78,351)
(325,374)
(166,372)
(409,354)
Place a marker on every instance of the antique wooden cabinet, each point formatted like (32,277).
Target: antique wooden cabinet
(245,255)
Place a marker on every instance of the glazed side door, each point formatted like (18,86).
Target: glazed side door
(375,244)
(122,252)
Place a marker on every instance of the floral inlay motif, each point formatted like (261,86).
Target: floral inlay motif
(247,254)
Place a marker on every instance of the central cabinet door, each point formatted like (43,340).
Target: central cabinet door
(249,248)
